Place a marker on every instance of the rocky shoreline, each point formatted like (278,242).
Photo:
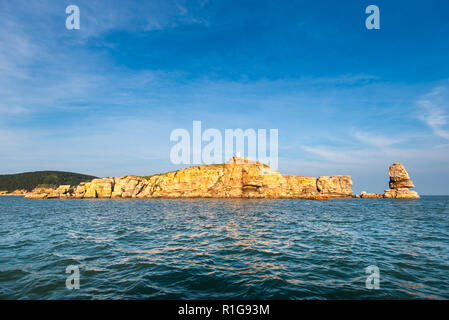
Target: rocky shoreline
(15,193)
(238,178)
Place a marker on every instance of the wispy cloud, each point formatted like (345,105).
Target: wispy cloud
(434,108)
(338,155)
(378,141)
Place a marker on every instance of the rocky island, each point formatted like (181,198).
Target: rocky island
(238,178)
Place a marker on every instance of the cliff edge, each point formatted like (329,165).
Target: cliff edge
(238,178)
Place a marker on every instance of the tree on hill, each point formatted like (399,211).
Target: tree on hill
(30,180)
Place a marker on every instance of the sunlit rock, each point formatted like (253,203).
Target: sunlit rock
(400,183)
(238,178)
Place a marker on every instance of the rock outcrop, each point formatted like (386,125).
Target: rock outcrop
(400,183)
(239,178)
(63,192)
(368,195)
(335,186)
(19,192)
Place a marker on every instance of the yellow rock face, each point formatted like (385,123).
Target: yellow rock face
(367,195)
(127,187)
(63,189)
(239,178)
(18,192)
(41,193)
(33,195)
(100,188)
(335,186)
(402,193)
(298,186)
(80,190)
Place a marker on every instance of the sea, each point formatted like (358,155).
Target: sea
(224,249)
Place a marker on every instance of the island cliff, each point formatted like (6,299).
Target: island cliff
(238,178)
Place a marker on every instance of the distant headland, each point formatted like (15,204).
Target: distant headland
(21,183)
(238,178)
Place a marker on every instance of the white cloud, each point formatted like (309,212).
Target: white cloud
(376,140)
(342,155)
(433,111)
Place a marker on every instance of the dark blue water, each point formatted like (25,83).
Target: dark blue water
(210,249)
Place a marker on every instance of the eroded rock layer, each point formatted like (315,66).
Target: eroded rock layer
(400,183)
(239,178)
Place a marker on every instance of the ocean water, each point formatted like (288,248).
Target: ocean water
(224,249)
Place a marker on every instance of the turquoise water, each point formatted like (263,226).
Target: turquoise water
(224,249)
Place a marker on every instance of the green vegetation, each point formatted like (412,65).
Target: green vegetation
(30,180)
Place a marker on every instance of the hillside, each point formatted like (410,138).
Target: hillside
(30,180)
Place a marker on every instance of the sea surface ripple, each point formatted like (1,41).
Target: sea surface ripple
(224,249)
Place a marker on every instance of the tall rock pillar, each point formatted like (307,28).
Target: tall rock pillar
(400,183)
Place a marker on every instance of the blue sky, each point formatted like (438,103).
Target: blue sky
(103,100)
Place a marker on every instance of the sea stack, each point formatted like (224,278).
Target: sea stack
(400,183)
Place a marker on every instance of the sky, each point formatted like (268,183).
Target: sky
(103,100)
